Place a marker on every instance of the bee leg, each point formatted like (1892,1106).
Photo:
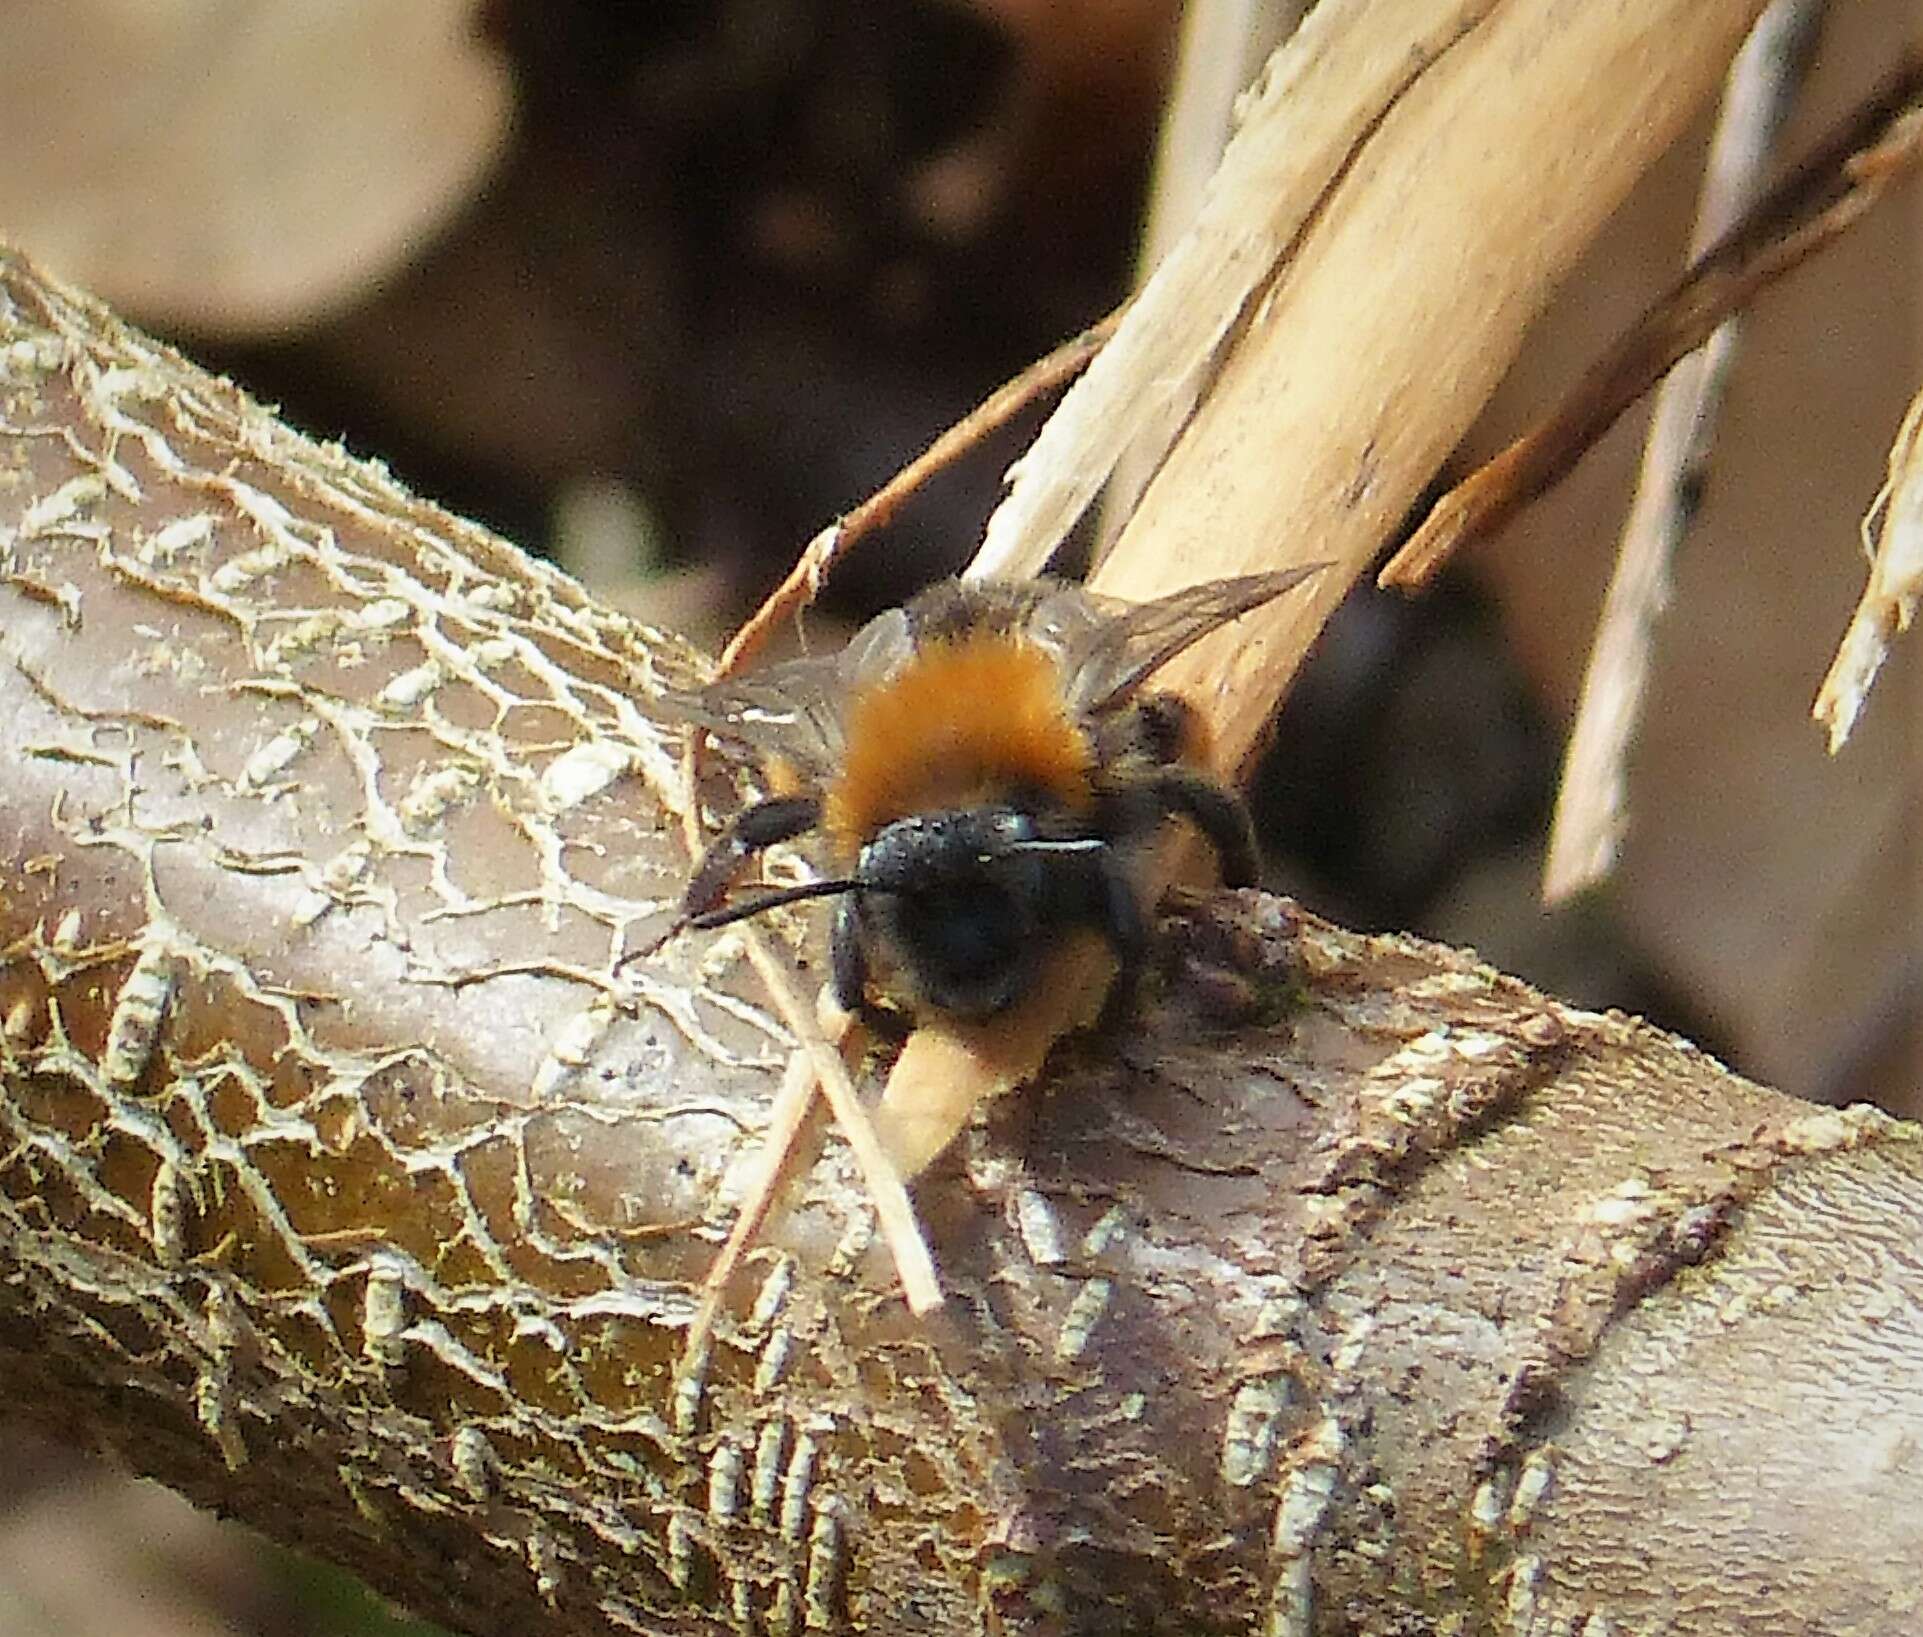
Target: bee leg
(1126,927)
(752,830)
(1158,730)
(1218,814)
(848,962)
(1165,725)
(848,969)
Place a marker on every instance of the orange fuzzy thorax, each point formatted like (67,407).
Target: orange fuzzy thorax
(961,723)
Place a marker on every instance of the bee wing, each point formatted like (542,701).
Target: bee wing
(1110,648)
(795,708)
(789,709)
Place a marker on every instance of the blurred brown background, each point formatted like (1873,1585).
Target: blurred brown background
(657,289)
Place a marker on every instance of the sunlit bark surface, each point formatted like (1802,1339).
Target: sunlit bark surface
(346,1184)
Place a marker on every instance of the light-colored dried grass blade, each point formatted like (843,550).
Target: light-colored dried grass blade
(780,1157)
(1223,43)
(1473,194)
(1825,197)
(1592,800)
(894,1212)
(1896,582)
(1313,107)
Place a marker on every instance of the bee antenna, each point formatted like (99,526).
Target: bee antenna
(730,913)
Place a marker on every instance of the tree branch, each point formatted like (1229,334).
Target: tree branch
(348,1185)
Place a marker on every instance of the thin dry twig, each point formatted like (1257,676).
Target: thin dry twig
(793,1103)
(894,1212)
(1829,193)
(804,581)
(1592,802)
(1896,583)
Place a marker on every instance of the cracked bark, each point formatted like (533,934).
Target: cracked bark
(345,1186)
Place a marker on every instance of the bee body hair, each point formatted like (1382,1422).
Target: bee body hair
(968,719)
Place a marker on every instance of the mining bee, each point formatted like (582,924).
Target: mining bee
(985,766)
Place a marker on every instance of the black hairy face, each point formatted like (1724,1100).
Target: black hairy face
(963,905)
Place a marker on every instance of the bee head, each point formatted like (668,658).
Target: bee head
(959,904)
(963,903)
